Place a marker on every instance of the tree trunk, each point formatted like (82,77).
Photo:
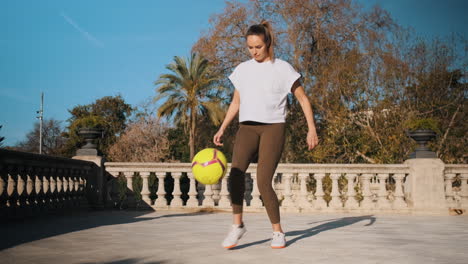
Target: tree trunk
(192,134)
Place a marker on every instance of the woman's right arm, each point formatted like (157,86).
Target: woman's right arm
(231,113)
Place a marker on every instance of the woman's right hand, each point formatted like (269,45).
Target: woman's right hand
(217,137)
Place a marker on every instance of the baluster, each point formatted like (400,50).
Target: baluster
(30,194)
(113,190)
(215,188)
(71,186)
(76,189)
(130,201)
(335,201)
(255,202)
(351,202)
(11,189)
(65,191)
(382,201)
(449,197)
(145,192)
(3,186)
(192,200)
(38,189)
(75,183)
(176,201)
(20,188)
(59,189)
(46,189)
(464,190)
(208,201)
(399,202)
(287,201)
(82,176)
(224,200)
(320,202)
(302,201)
(161,200)
(54,189)
(366,202)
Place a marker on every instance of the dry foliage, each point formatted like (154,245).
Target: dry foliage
(364,74)
(144,140)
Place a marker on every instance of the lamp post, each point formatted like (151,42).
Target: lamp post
(40,117)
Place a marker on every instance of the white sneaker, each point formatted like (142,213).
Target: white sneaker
(278,240)
(233,236)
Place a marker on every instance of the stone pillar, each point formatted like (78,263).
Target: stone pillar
(464,190)
(425,192)
(335,201)
(303,203)
(399,202)
(208,201)
(383,202)
(113,191)
(145,192)
(449,196)
(161,200)
(95,183)
(351,202)
(255,202)
(366,202)
(224,201)
(130,200)
(287,201)
(192,200)
(320,202)
(45,189)
(38,190)
(3,193)
(176,201)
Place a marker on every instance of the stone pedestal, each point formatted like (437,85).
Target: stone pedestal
(424,188)
(95,183)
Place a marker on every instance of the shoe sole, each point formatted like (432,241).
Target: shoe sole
(278,247)
(230,246)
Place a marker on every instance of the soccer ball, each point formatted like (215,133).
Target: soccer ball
(209,166)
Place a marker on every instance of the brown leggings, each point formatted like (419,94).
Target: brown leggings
(267,141)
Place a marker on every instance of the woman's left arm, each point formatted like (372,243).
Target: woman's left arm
(298,91)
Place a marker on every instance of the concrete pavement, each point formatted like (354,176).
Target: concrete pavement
(133,237)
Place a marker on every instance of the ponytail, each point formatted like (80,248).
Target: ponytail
(264,29)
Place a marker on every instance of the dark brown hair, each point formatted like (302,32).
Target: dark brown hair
(264,30)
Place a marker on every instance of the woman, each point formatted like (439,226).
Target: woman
(261,88)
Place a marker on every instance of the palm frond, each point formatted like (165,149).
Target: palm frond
(214,111)
(190,85)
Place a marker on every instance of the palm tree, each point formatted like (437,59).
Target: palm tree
(189,91)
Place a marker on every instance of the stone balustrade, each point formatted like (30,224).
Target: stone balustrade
(300,187)
(456,186)
(32,184)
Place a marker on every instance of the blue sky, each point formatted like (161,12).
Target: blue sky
(78,51)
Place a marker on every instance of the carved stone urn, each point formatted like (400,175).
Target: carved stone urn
(89,135)
(422,137)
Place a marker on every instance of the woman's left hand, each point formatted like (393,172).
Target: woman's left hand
(312,139)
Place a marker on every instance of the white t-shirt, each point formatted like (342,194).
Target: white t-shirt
(263,89)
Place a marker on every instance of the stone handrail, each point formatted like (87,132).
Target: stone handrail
(32,184)
(300,187)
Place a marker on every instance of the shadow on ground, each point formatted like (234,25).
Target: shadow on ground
(129,261)
(305,233)
(28,230)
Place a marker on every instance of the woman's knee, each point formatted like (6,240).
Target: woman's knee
(265,188)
